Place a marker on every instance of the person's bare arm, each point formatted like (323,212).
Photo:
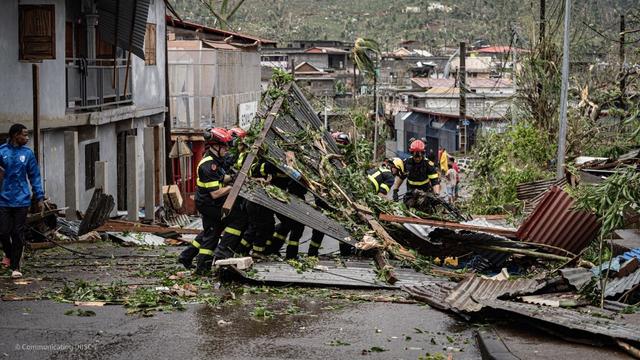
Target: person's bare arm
(224,191)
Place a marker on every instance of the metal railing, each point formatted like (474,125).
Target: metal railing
(92,86)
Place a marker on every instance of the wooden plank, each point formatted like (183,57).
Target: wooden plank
(127,226)
(255,147)
(383,265)
(396,249)
(449,225)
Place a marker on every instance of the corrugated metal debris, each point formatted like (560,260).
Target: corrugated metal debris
(137,239)
(570,319)
(555,300)
(555,223)
(471,292)
(530,190)
(299,210)
(619,286)
(354,274)
(577,277)
(433,293)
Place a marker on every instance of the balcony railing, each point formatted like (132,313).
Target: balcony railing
(92,86)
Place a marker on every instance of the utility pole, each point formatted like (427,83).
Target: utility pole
(462,84)
(375,101)
(623,81)
(562,133)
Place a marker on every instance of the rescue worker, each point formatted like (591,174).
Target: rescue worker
(421,174)
(237,220)
(260,230)
(383,177)
(210,195)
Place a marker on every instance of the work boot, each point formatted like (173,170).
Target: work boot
(203,265)
(188,264)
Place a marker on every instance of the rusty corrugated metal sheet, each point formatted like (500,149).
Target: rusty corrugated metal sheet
(470,293)
(570,319)
(555,223)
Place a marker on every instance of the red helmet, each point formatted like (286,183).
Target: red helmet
(238,132)
(341,138)
(416,146)
(217,136)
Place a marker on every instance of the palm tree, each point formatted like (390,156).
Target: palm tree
(366,57)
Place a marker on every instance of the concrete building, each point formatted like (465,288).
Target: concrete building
(100,82)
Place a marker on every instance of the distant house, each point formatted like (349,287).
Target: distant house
(315,81)
(101,82)
(475,85)
(476,67)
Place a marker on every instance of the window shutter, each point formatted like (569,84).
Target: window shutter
(150,45)
(37,32)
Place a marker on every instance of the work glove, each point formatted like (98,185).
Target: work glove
(395,195)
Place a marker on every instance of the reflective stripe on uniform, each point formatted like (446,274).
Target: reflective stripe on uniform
(209,184)
(385,187)
(244,243)
(433,176)
(195,244)
(269,242)
(258,248)
(206,252)
(374,181)
(263,172)
(419,183)
(279,236)
(314,244)
(232,231)
(293,243)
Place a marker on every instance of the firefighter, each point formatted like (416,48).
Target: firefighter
(259,232)
(383,177)
(236,221)
(421,173)
(210,195)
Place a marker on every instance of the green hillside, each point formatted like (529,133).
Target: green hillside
(438,23)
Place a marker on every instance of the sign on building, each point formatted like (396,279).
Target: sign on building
(246,114)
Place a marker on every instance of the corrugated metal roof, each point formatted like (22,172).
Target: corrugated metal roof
(577,277)
(298,210)
(570,319)
(354,274)
(530,190)
(209,30)
(618,286)
(472,83)
(124,23)
(433,293)
(555,223)
(471,292)
(325,50)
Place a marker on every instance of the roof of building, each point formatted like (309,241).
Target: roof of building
(209,30)
(473,63)
(200,45)
(473,83)
(497,50)
(491,115)
(325,50)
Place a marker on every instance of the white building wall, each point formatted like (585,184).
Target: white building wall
(16,89)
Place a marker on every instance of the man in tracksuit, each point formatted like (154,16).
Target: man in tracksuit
(21,179)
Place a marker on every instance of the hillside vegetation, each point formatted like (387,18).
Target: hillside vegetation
(437,24)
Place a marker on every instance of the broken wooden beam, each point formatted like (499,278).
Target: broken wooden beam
(255,148)
(389,242)
(128,226)
(449,225)
(384,267)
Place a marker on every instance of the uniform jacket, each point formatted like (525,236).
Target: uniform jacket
(21,176)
